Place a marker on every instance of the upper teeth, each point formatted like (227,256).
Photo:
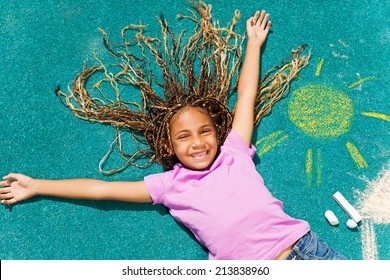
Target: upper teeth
(199,154)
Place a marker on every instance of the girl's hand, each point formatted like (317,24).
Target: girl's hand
(15,188)
(257,28)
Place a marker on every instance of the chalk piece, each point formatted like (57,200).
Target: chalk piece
(351,224)
(347,207)
(331,217)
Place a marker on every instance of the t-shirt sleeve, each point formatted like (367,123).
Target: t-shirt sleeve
(156,187)
(235,141)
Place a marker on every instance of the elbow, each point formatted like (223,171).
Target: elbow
(99,192)
(247,96)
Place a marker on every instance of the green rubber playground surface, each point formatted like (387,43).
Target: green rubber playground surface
(330,133)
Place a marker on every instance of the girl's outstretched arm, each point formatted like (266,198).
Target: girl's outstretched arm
(257,28)
(18,187)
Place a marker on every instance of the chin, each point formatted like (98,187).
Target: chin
(199,165)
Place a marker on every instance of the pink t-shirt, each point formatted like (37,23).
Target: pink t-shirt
(227,207)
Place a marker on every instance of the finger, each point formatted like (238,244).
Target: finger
(255,17)
(11,176)
(260,19)
(5,183)
(265,21)
(8,201)
(15,177)
(268,25)
(6,196)
(249,22)
(5,190)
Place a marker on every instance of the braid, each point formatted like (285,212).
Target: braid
(201,73)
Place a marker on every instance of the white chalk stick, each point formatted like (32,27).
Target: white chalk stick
(347,207)
(351,224)
(331,217)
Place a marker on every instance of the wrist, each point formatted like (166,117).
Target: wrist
(253,43)
(35,187)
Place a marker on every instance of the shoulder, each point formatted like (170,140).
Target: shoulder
(234,141)
(156,185)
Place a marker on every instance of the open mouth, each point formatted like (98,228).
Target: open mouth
(199,155)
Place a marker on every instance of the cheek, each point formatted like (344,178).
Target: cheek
(178,148)
(214,141)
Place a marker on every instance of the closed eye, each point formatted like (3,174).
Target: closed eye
(181,137)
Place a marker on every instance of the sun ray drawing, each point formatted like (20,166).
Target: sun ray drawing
(360,81)
(379,116)
(356,155)
(269,142)
(324,112)
(309,166)
(319,66)
(313,171)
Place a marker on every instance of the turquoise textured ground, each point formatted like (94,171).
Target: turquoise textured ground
(44,43)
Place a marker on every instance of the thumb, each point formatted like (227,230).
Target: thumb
(249,22)
(13,176)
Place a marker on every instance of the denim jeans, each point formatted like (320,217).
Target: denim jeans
(311,247)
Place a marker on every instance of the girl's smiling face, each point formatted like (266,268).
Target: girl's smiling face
(194,138)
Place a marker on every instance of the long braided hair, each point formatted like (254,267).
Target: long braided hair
(163,75)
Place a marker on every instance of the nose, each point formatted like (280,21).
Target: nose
(197,142)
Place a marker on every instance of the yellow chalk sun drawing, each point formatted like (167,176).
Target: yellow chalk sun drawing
(323,112)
